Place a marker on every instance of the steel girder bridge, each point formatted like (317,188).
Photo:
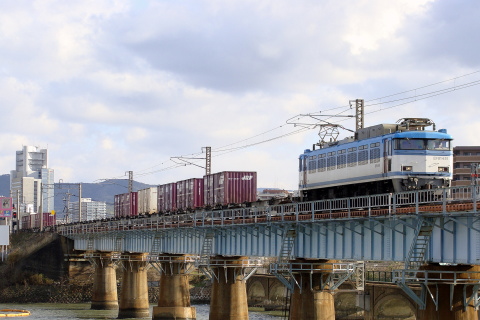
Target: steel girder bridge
(438,226)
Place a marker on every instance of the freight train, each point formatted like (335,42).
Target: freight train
(384,158)
(213,191)
(38,221)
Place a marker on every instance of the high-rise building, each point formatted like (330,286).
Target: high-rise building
(91,210)
(31,183)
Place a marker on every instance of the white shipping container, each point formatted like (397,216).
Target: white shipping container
(147,201)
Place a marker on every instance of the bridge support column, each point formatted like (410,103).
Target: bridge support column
(104,295)
(134,295)
(228,299)
(451,304)
(174,292)
(309,302)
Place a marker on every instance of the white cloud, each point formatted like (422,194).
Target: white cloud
(134,83)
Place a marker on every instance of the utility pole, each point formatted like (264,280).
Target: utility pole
(18,210)
(474,174)
(80,202)
(130,181)
(66,206)
(130,189)
(64,185)
(208,160)
(359,113)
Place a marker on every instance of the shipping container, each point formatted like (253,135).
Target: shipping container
(190,194)
(230,188)
(26,223)
(49,219)
(208,188)
(148,200)
(167,198)
(126,205)
(116,205)
(33,221)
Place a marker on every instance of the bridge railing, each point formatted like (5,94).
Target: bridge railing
(412,202)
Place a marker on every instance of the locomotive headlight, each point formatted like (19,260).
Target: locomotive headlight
(442,169)
(407,168)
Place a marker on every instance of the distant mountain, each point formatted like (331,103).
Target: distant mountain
(102,191)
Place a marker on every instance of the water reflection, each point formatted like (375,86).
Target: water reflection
(74,311)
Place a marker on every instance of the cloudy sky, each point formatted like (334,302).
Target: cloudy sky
(110,86)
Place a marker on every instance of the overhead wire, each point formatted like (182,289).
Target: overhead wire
(416,97)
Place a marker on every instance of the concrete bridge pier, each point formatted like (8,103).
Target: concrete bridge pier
(228,300)
(310,302)
(104,295)
(174,293)
(134,295)
(451,304)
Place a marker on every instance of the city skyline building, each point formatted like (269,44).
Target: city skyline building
(28,179)
(91,210)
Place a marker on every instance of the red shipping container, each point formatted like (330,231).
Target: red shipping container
(35,220)
(190,194)
(230,187)
(126,205)
(49,219)
(208,188)
(132,200)
(116,206)
(167,197)
(26,222)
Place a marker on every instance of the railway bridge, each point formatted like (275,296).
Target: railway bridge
(311,247)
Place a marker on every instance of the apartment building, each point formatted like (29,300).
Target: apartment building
(463,157)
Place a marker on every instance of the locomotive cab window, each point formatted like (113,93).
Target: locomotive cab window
(438,144)
(409,144)
(422,144)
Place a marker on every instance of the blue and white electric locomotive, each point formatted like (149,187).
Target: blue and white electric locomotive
(379,159)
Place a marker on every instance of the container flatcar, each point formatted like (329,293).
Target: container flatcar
(230,188)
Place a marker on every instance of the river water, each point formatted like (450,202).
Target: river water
(82,311)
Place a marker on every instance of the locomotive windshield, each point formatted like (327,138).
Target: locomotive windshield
(422,144)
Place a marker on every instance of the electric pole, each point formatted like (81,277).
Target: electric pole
(80,202)
(208,160)
(130,181)
(359,113)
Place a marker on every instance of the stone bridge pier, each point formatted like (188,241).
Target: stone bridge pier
(105,295)
(229,291)
(310,299)
(174,293)
(134,296)
(449,300)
